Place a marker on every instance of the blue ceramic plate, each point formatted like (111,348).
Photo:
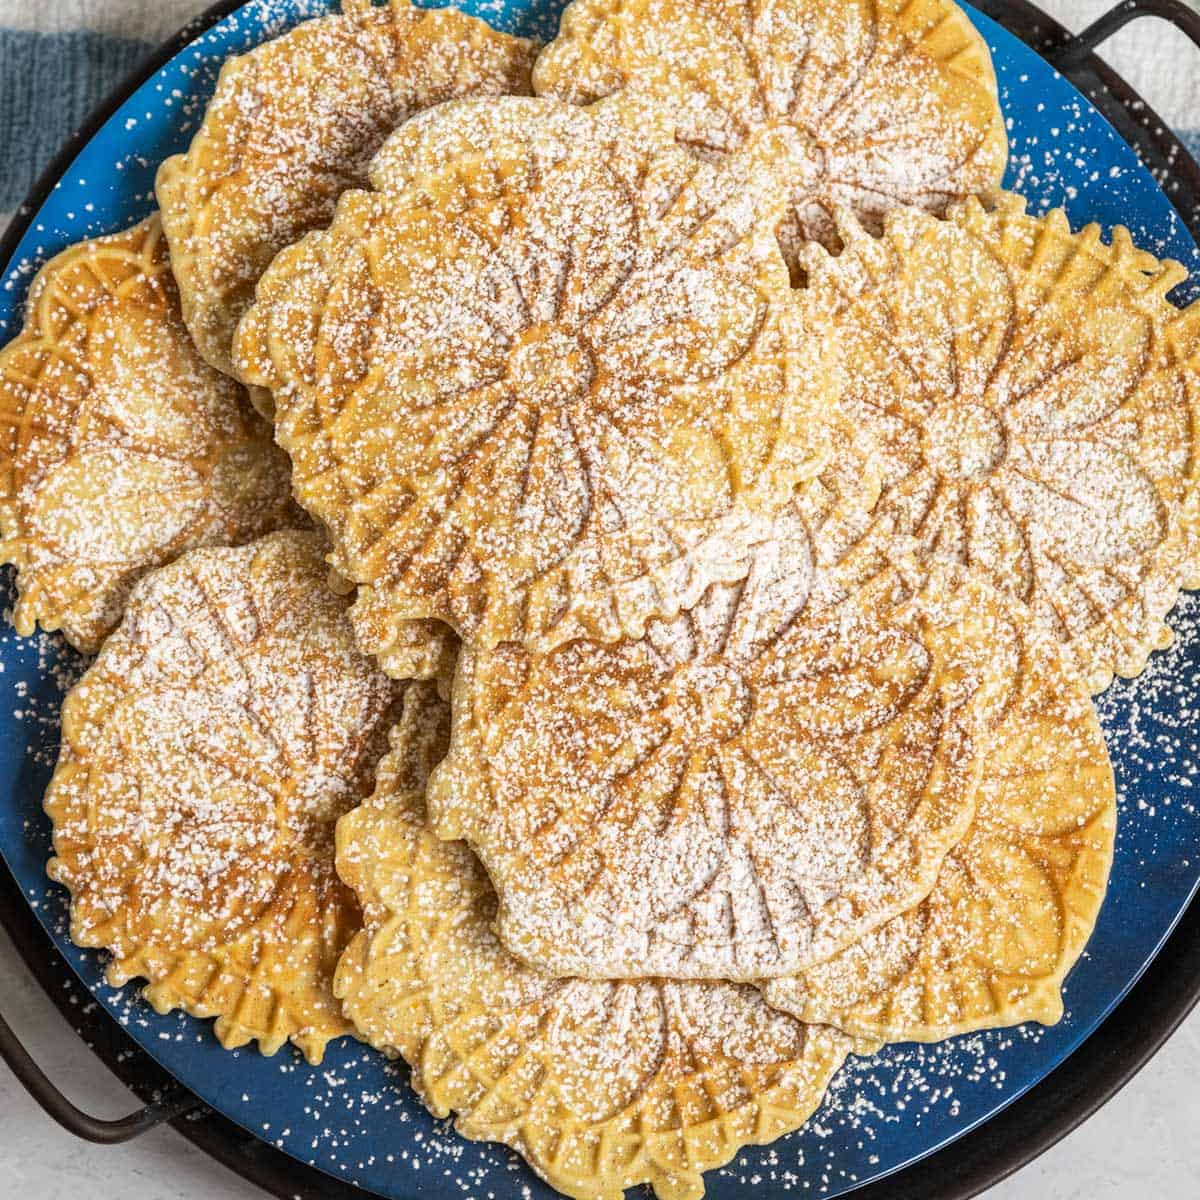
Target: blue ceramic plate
(355,1116)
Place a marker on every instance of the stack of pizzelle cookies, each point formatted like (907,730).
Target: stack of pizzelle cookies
(733,500)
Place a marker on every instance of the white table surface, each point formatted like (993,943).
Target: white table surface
(1143,1145)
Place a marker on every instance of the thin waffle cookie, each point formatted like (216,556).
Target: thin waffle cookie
(121,447)
(1034,397)
(403,649)
(738,794)
(600,1086)
(1015,901)
(896,99)
(557,388)
(293,124)
(207,753)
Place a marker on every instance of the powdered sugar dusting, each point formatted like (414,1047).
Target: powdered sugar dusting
(335,1117)
(723,799)
(1030,390)
(893,109)
(224,727)
(296,122)
(122,448)
(554,390)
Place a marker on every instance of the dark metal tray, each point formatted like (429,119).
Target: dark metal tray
(1062,1100)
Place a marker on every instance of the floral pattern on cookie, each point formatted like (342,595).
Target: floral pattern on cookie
(556,395)
(121,447)
(895,99)
(1034,398)
(207,755)
(738,793)
(600,1086)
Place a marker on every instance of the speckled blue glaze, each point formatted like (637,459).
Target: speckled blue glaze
(355,1116)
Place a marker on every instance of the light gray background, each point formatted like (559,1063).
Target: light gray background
(1144,1145)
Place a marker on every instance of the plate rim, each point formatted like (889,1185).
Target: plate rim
(977,1159)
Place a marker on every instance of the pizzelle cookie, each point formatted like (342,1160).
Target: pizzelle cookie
(556,389)
(293,124)
(224,727)
(600,1086)
(1034,398)
(121,447)
(424,157)
(403,649)
(466,151)
(739,793)
(1016,899)
(895,99)
(829,515)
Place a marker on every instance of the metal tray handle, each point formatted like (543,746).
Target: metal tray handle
(176,1102)
(1175,12)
